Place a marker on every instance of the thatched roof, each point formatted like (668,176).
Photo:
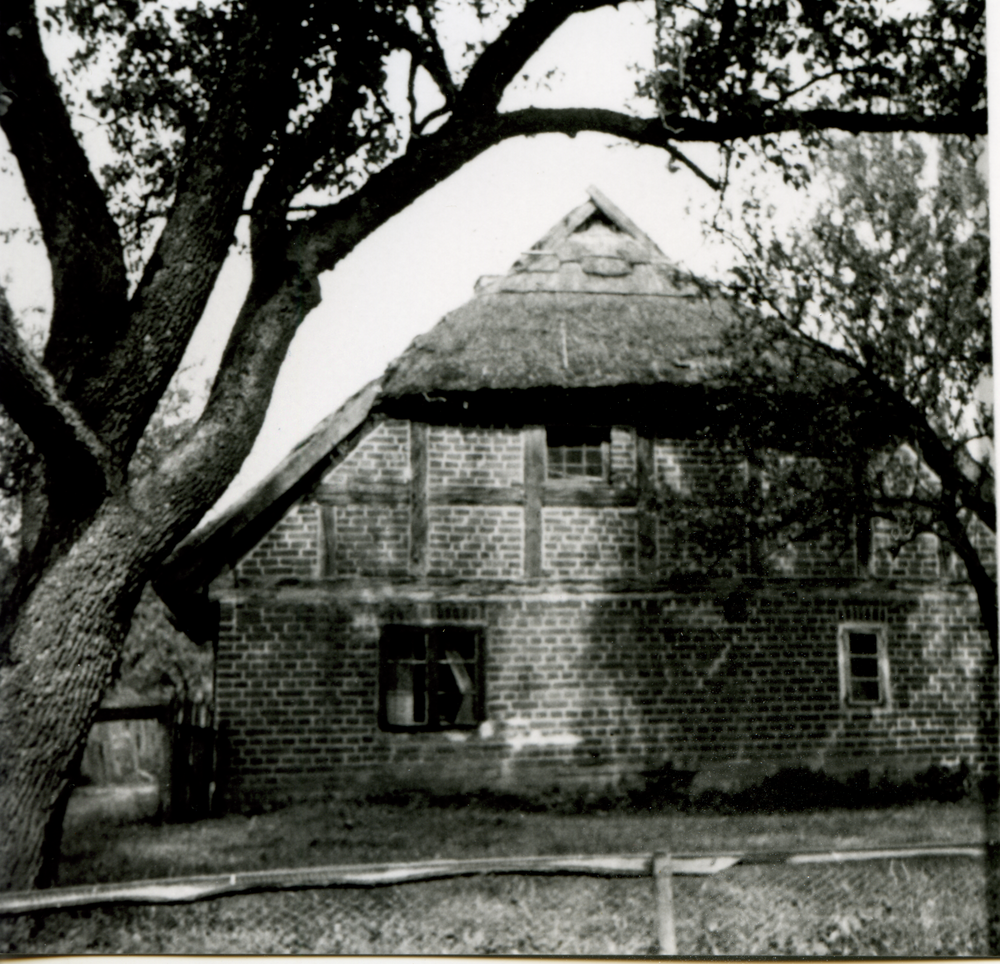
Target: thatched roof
(594,303)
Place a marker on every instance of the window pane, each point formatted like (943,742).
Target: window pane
(865,691)
(864,643)
(404,697)
(403,642)
(455,639)
(430,677)
(864,665)
(576,451)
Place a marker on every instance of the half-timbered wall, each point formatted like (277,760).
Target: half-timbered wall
(474,503)
(595,669)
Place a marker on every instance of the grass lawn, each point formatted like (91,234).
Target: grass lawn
(359,832)
(912,908)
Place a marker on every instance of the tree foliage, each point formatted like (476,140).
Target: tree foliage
(876,318)
(281,117)
(778,59)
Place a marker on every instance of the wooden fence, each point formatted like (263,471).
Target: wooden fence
(175,744)
(662,867)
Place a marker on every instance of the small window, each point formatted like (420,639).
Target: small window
(864,664)
(431,678)
(578,452)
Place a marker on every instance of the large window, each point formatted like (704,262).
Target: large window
(578,452)
(431,677)
(864,664)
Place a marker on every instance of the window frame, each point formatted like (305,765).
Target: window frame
(434,661)
(604,446)
(881,657)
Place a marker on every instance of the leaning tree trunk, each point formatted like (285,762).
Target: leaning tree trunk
(985,586)
(63,654)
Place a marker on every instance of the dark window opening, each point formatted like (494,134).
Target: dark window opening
(864,668)
(431,678)
(578,452)
(864,665)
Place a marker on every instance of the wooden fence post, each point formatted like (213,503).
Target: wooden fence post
(664,885)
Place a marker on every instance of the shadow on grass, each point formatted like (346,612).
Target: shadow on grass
(793,790)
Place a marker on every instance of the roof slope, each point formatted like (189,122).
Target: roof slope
(594,303)
(204,553)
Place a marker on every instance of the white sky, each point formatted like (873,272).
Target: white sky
(423,263)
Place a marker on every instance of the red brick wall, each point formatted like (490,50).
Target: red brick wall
(920,558)
(382,457)
(581,542)
(371,540)
(694,465)
(578,542)
(813,558)
(925,557)
(599,688)
(474,456)
(475,542)
(290,549)
(622,456)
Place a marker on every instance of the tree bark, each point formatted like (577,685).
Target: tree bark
(62,656)
(983,583)
(68,635)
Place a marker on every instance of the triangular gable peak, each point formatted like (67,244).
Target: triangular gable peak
(538,326)
(597,226)
(596,248)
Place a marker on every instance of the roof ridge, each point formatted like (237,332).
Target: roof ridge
(565,226)
(615,214)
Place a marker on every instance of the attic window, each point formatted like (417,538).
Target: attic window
(431,678)
(864,664)
(578,451)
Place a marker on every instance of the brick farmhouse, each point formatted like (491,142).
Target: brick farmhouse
(465,577)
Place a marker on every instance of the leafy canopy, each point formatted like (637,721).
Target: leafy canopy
(725,70)
(875,319)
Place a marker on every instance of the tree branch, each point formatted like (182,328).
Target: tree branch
(426,53)
(29,394)
(982,581)
(217,169)
(956,469)
(296,155)
(650,130)
(434,61)
(691,166)
(81,238)
(195,473)
(500,62)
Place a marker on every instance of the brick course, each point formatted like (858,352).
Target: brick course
(382,457)
(475,542)
(600,688)
(371,540)
(474,456)
(583,541)
(290,549)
